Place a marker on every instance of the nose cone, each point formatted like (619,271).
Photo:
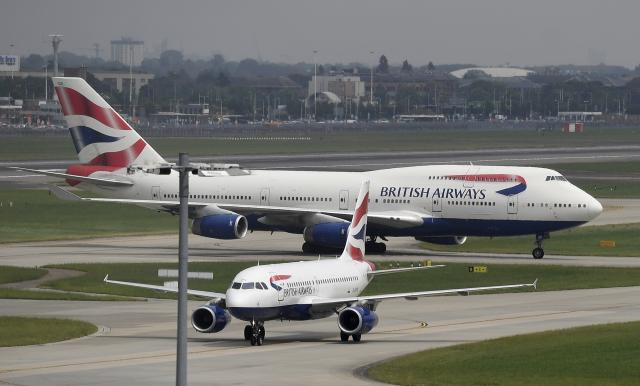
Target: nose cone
(594,208)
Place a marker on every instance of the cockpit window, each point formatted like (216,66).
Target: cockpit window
(265,286)
(235,285)
(247,285)
(259,285)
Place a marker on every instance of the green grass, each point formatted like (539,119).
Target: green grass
(10,274)
(616,188)
(12,293)
(36,215)
(20,331)
(594,355)
(327,140)
(605,167)
(617,185)
(453,276)
(582,241)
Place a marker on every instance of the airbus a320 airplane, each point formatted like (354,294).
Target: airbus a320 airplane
(307,290)
(438,204)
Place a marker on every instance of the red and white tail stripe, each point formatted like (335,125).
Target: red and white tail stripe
(356,235)
(101,136)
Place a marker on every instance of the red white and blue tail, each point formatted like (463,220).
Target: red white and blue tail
(355,246)
(101,136)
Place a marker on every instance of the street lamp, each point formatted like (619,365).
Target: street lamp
(46,83)
(315,85)
(371,79)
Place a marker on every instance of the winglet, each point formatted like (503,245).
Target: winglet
(106,278)
(535,284)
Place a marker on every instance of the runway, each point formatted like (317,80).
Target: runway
(136,344)
(361,161)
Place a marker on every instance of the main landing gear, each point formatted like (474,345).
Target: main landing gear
(344,337)
(371,246)
(254,333)
(538,252)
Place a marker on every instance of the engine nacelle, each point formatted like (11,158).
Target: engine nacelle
(443,240)
(332,235)
(221,226)
(357,320)
(210,318)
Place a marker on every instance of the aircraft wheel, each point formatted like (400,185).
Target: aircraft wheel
(356,337)
(259,340)
(254,340)
(308,248)
(538,253)
(247,332)
(344,337)
(261,332)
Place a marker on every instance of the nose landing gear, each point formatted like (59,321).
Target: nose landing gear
(254,333)
(538,252)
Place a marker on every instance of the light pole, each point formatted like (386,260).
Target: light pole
(371,79)
(184,170)
(46,83)
(11,52)
(315,85)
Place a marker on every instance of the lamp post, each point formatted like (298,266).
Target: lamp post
(184,169)
(371,79)
(46,83)
(315,85)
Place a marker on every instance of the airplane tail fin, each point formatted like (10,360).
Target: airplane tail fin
(355,246)
(101,136)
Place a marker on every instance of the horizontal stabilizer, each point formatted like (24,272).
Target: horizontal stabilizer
(66,176)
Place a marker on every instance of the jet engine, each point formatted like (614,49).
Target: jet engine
(443,240)
(221,226)
(357,320)
(210,318)
(330,235)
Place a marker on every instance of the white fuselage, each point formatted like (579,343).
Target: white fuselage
(292,286)
(445,197)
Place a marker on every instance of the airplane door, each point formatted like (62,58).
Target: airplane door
(264,196)
(344,199)
(155,192)
(470,176)
(436,204)
(281,291)
(512,204)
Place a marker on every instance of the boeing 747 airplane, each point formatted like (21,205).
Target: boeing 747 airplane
(440,204)
(307,290)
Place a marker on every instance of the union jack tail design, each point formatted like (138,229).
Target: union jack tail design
(103,139)
(355,246)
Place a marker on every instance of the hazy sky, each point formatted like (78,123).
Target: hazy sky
(488,32)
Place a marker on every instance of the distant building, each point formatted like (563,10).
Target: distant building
(120,80)
(345,87)
(127,51)
(494,72)
(434,87)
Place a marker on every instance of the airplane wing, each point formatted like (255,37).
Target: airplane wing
(205,294)
(93,180)
(399,219)
(400,270)
(413,295)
